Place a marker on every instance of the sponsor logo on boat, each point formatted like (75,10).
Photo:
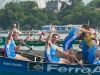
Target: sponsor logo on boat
(72,69)
(12,64)
(32,66)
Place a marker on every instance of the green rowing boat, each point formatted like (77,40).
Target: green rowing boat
(33,43)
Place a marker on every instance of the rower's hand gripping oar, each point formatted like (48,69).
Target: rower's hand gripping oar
(22,42)
(28,46)
(82,66)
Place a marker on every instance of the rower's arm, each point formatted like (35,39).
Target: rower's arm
(48,41)
(86,31)
(11,32)
(18,47)
(96,39)
(50,35)
(42,38)
(62,52)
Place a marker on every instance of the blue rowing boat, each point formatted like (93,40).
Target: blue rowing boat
(39,66)
(8,65)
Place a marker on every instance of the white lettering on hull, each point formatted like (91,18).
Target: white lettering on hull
(53,67)
(12,64)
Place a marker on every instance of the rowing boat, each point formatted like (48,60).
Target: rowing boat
(33,43)
(38,67)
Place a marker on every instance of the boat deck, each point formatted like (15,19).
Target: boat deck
(37,58)
(32,53)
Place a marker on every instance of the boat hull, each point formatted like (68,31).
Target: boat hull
(33,68)
(11,73)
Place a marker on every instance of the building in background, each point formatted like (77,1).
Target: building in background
(41,3)
(70,27)
(60,27)
(2,3)
(48,27)
(54,5)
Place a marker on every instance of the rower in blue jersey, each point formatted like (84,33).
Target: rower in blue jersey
(84,48)
(92,42)
(97,61)
(88,41)
(11,48)
(74,35)
(94,55)
(51,48)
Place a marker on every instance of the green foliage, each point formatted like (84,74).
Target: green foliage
(29,16)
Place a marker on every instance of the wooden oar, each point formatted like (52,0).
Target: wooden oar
(28,46)
(82,66)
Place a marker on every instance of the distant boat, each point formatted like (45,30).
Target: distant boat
(33,43)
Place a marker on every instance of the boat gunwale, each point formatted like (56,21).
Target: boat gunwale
(47,62)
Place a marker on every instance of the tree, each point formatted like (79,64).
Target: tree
(29,5)
(28,15)
(74,2)
(27,27)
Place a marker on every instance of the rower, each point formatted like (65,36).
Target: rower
(93,46)
(15,37)
(41,37)
(94,55)
(72,36)
(51,48)
(29,37)
(11,48)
